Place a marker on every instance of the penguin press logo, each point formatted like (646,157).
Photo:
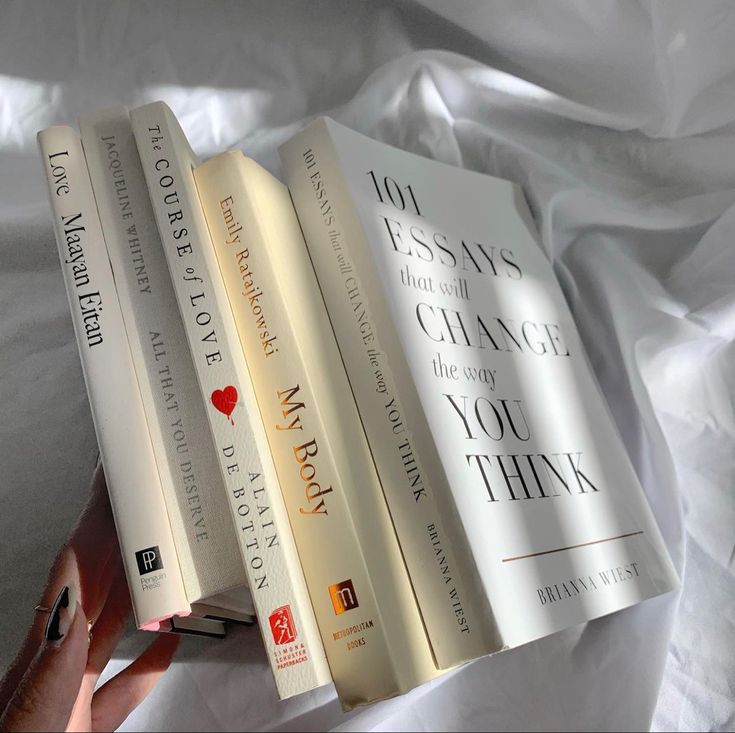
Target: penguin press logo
(148,560)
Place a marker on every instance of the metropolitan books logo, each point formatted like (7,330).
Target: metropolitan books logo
(149,560)
(343,596)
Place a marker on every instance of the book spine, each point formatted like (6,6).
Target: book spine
(314,435)
(457,617)
(195,496)
(146,542)
(275,577)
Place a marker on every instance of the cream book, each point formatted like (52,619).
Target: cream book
(397,392)
(268,550)
(348,549)
(148,550)
(198,511)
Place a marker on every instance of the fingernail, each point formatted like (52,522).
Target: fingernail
(61,615)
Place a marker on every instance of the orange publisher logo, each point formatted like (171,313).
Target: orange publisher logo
(343,596)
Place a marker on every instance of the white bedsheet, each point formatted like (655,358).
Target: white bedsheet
(618,118)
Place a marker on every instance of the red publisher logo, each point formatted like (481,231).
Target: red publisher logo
(282,625)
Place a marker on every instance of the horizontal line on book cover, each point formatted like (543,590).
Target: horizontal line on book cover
(573,547)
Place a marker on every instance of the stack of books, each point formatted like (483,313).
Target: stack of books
(355,408)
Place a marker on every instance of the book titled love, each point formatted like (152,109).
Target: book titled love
(394,403)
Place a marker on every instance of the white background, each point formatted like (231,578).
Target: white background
(618,118)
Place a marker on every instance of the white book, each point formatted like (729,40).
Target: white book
(146,541)
(478,402)
(275,578)
(196,500)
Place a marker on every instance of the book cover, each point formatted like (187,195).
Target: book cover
(504,411)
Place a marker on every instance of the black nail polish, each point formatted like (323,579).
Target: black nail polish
(53,631)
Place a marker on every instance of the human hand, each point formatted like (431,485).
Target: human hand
(78,623)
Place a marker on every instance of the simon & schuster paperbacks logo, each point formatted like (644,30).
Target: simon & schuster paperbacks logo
(149,560)
(343,596)
(282,625)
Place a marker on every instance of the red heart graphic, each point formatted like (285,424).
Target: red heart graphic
(225,400)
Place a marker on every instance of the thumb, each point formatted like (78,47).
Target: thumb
(45,696)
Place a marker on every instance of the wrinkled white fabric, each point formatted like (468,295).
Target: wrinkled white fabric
(618,119)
